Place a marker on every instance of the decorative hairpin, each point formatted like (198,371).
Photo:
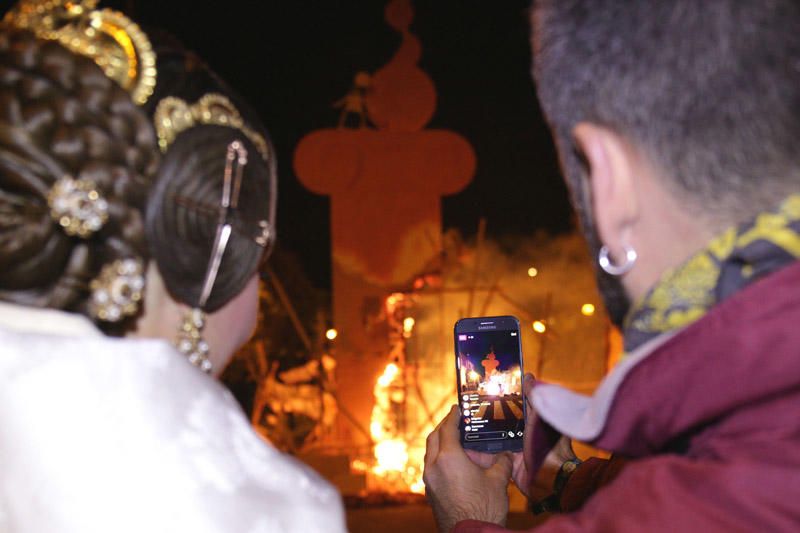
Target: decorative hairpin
(190,340)
(107,37)
(77,206)
(174,115)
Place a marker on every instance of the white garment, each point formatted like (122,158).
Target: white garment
(100,434)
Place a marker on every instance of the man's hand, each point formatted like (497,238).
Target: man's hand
(541,485)
(461,486)
(521,471)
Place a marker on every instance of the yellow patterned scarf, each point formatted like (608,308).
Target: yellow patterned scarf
(733,260)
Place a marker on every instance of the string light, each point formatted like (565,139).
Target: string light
(539,327)
(533,272)
(408,324)
(587,309)
(331,334)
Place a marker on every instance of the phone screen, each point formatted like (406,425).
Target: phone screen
(489,366)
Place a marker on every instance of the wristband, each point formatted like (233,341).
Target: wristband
(552,503)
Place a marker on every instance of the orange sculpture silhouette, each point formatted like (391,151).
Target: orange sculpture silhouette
(490,364)
(385,186)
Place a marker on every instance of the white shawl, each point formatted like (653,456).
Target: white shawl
(100,434)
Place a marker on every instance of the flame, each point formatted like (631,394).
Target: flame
(397,464)
(398,459)
(359,466)
(502,383)
(408,326)
(389,375)
(391,455)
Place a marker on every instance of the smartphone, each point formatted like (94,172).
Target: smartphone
(489,376)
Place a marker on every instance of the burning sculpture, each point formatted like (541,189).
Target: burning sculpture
(398,286)
(385,177)
(418,385)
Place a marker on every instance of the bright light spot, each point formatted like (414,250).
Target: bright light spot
(418,487)
(376,429)
(493,388)
(359,466)
(389,373)
(391,455)
(408,324)
(474,376)
(533,272)
(393,299)
(587,309)
(328,362)
(539,327)
(331,334)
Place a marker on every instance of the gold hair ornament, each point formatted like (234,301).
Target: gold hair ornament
(77,206)
(117,291)
(174,116)
(190,340)
(107,37)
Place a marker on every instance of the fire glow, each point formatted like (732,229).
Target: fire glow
(502,383)
(397,466)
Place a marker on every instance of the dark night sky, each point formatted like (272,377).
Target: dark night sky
(293,59)
(505,347)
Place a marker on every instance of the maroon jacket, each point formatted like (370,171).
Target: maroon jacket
(711,423)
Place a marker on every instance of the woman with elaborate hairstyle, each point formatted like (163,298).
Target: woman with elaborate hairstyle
(137,201)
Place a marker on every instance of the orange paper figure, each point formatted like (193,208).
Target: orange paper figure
(355,101)
(385,184)
(490,364)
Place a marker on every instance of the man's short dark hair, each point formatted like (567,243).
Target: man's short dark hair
(708,89)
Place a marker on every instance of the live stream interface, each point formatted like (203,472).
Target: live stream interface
(490,385)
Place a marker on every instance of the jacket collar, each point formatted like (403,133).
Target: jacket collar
(742,351)
(584,417)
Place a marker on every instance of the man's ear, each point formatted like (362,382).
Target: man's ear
(610,166)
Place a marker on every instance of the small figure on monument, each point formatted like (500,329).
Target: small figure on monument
(355,101)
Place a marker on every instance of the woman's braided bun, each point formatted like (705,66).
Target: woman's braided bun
(61,116)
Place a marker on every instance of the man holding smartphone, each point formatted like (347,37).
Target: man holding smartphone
(676,124)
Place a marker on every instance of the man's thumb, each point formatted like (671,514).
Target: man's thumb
(502,467)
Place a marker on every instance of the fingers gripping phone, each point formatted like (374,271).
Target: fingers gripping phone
(489,376)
